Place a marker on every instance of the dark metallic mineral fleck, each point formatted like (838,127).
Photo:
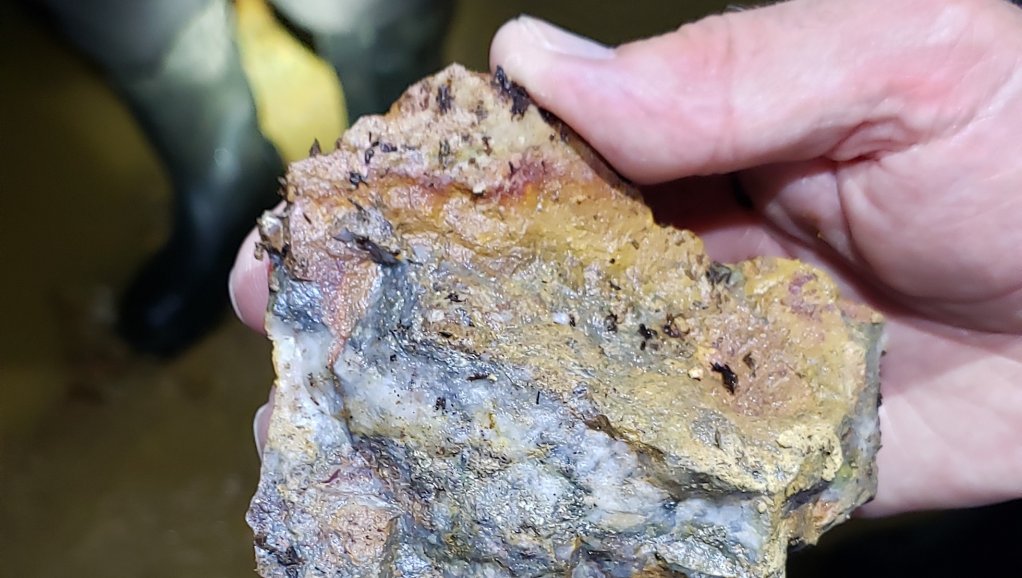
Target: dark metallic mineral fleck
(461,389)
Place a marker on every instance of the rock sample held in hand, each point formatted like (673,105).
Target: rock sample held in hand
(491,361)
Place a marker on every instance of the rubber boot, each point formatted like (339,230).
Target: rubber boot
(177,65)
(377,47)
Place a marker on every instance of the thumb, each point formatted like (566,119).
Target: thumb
(788,82)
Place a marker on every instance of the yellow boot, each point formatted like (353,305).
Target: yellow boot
(297,95)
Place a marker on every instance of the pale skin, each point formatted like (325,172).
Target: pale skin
(878,139)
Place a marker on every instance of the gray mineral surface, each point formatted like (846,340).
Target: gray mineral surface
(491,361)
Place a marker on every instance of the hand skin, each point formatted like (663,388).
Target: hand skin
(878,139)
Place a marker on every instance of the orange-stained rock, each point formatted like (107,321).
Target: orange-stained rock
(492,362)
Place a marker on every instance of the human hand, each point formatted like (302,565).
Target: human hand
(878,139)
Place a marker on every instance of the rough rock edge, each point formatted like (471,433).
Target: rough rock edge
(307,443)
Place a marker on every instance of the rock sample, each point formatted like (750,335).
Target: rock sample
(492,362)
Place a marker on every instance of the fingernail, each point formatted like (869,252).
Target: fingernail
(561,41)
(260,427)
(230,292)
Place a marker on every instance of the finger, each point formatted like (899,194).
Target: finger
(787,82)
(248,285)
(947,440)
(261,423)
(730,229)
(801,199)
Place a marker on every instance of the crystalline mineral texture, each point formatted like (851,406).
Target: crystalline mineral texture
(491,361)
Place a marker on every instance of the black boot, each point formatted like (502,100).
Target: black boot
(178,67)
(378,48)
(181,292)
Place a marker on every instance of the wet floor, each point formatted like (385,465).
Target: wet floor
(112,464)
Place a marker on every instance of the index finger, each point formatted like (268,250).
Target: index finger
(248,285)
